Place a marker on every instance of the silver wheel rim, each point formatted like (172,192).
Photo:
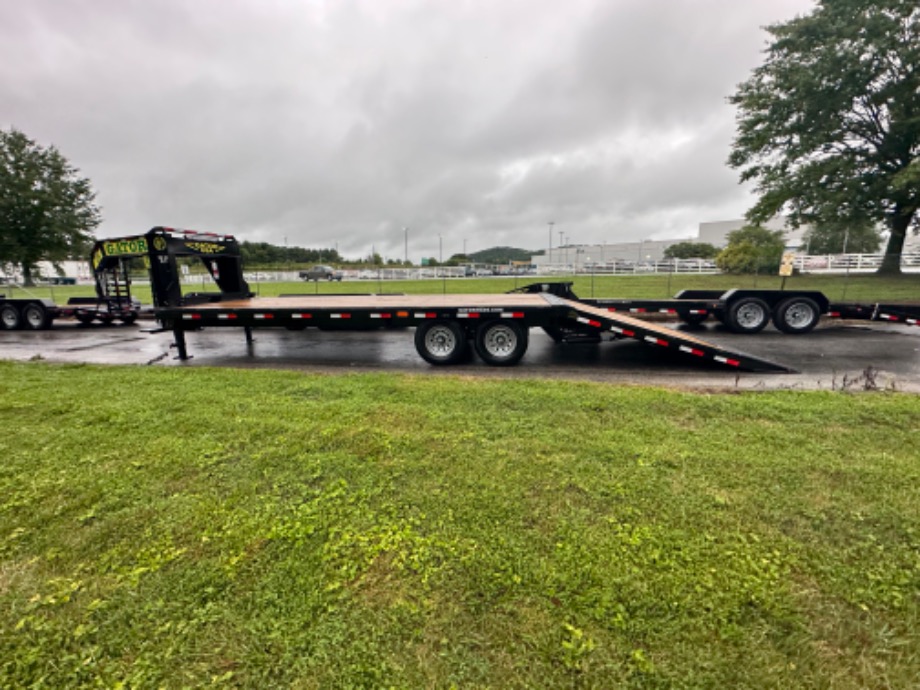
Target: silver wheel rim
(440,341)
(750,315)
(8,316)
(799,315)
(33,317)
(500,341)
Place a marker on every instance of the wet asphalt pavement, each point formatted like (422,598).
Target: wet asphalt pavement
(837,355)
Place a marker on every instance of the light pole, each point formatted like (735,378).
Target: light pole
(549,251)
(441,264)
(406,242)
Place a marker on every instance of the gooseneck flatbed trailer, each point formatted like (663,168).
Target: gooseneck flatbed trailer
(448,328)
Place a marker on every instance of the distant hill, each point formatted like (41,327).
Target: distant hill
(501,255)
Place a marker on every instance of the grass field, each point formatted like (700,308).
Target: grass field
(172,528)
(854,288)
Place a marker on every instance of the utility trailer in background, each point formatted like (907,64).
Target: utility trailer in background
(447,327)
(113,300)
(748,310)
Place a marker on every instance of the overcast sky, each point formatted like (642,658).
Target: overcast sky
(342,122)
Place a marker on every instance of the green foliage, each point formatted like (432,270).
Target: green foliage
(46,208)
(840,238)
(252,529)
(500,255)
(691,250)
(828,126)
(263,254)
(752,249)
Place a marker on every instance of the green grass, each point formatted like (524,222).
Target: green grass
(852,288)
(175,528)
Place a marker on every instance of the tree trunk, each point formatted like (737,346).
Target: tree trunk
(900,222)
(27,274)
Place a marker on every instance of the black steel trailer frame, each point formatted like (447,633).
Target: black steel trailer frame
(447,327)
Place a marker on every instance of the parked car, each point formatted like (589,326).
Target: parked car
(318,273)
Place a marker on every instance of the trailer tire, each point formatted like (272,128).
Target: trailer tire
(501,343)
(748,315)
(128,318)
(10,319)
(441,342)
(35,317)
(797,315)
(84,319)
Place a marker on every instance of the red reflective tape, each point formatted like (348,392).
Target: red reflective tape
(611,308)
(835,314)
(733,362)
(191,317)
(638,310)
(629,334)
(301,316)
(691,351)
(520,315)
(265,316)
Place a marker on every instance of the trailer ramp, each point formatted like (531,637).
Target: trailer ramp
(658,336)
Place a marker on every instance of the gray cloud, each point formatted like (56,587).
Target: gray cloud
(343,122)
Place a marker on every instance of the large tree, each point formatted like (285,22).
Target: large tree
(47,210)
(829,125)
(842,238)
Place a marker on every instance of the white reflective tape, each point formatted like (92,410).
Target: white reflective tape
(651,339)
(684,348)
(720,359)
(616,329)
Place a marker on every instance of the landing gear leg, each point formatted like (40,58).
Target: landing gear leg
(179,337)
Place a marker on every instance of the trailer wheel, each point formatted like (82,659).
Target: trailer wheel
(797,315)
(441,342)
(35,317)
(128,318)
(748,315)
(85,319)
(9,317)
(501,343)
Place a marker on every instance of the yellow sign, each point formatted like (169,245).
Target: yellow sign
(785,268)
(133,245)
(159,243)
(205,247)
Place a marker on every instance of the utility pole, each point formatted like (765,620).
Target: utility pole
(406,240)
(549,250)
